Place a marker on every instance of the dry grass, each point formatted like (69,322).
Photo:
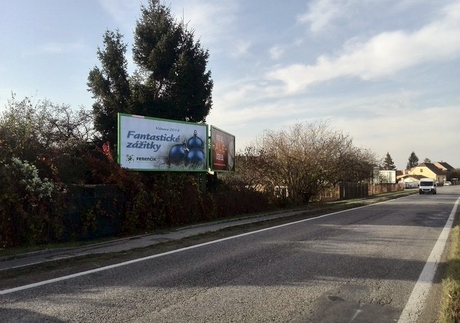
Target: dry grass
(450,308)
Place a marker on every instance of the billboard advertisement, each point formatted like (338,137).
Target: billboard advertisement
(222,151)
(151,144)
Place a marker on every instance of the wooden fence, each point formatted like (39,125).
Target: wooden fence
(357,190)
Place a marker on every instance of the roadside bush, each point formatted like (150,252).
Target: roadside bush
(52,137)
(147,201)
(112,201)
(29,205)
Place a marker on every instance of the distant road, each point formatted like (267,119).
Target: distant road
(359,265)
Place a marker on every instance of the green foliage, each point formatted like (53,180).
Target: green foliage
(51,137)
(88,220)
(22,178)
(29,205)
(56,185)
(413,161)
(145,202)
(156,40)
(110,86)
(171,80)
(388,163)
(34,210)
(42,151)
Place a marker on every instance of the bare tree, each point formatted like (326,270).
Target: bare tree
(50,136)
(306,157)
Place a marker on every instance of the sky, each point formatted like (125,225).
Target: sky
(384,72)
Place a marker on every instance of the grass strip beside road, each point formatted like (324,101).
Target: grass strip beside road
(450,306)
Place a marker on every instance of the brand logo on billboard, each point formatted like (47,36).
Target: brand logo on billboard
(146,159)
(130,158)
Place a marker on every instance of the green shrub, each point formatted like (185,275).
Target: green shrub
(28,205)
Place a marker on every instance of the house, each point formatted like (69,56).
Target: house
(430,170)
(410,181)
(444,166)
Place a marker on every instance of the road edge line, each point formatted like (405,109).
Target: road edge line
(417,299)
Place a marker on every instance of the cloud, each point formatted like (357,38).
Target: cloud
(398,132)
(276,52)
(59,48)
(322,13)
(211,20)
(240,48)
(56,48)
(381,56)
(122,11)
(383,123)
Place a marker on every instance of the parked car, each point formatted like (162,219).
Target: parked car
(410,184)
(447,183)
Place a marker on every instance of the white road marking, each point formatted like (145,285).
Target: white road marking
(92,271)
(417,299)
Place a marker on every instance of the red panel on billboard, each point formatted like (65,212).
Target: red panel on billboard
(223,150)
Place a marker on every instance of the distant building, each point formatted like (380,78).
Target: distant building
(387,176)
(437,171)
(444,166)
(430,170)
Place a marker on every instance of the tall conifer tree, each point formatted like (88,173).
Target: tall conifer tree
(413,161)
(388,163)
(171,79)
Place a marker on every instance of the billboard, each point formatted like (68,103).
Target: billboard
(222,151)
(151,144)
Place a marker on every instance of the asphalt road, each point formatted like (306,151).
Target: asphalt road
(359,265)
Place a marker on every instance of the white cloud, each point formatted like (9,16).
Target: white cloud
(388,122)
(398,132)
(122,11)
(211,20)
(276,52)
(322,13)
(62,47)
(51,48)
(239,48)
(382,55)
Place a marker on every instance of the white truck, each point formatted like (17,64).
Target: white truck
(427,186)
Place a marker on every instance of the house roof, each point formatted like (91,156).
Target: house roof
(444,166)
(432,167)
